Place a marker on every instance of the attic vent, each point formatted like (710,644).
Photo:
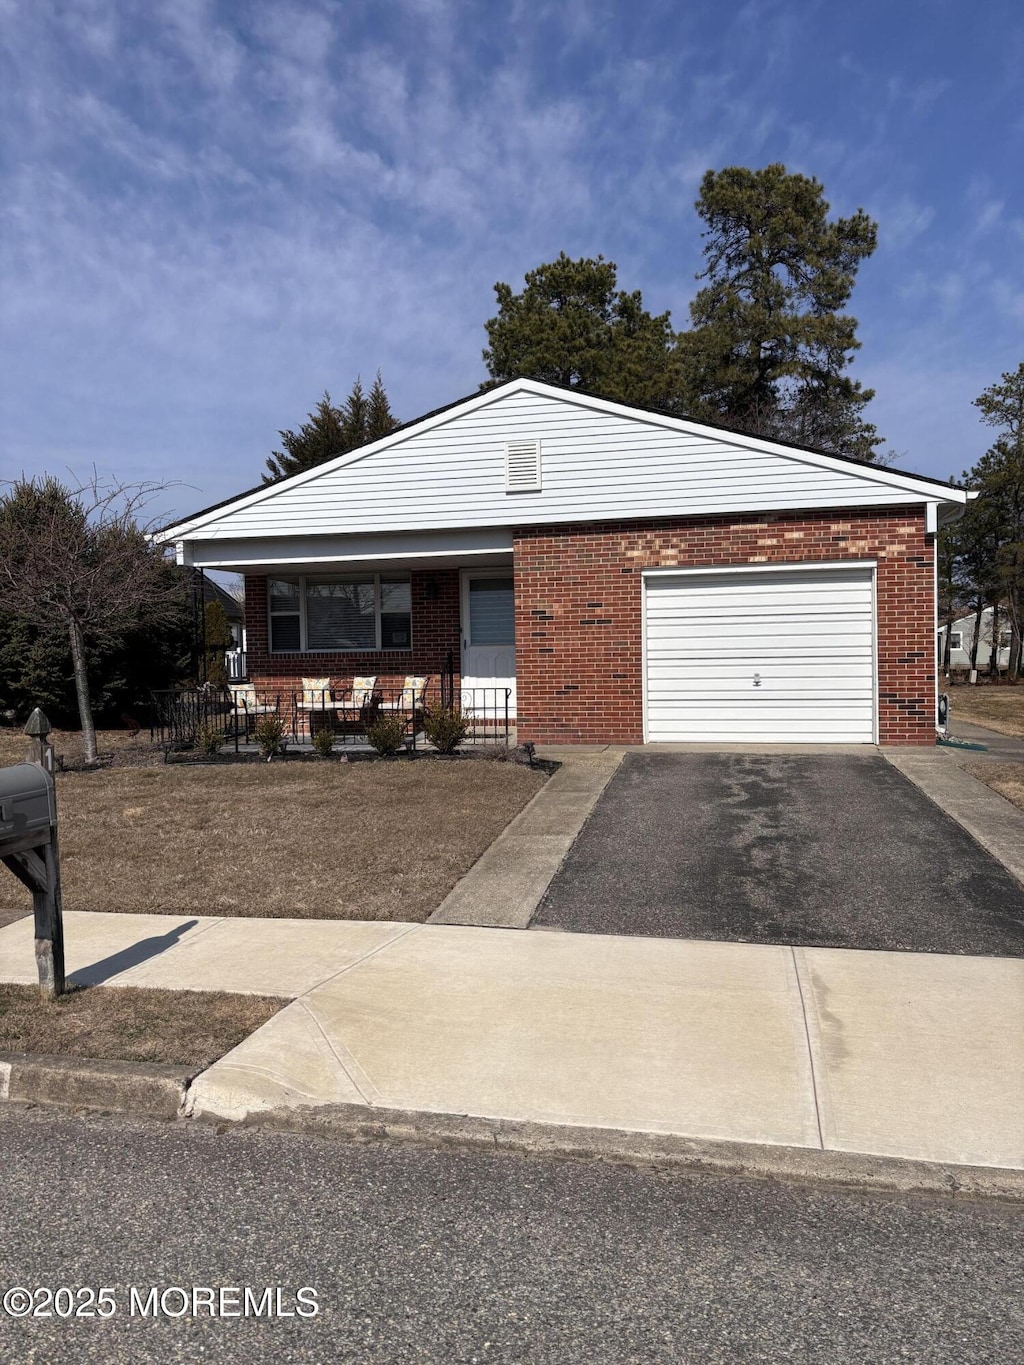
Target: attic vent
(522,467)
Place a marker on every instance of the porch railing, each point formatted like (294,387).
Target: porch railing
(234,659)
(179,718)
(489,710)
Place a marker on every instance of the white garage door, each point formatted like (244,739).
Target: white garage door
(777,656)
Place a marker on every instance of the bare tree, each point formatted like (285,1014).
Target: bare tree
(79,558)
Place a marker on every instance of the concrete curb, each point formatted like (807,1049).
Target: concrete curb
(158,1091)
(150,1090)
(695,1156)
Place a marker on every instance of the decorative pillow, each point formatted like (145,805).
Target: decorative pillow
(362,690)
(412,689)
(243,696)
(316,691)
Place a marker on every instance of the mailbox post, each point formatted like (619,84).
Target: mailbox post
(28,846)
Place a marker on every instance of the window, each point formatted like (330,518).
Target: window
(1004,639)
(956,639)
(362,612)
(492,612)
(284,616)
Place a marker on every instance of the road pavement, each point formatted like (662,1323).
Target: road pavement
(428,1255)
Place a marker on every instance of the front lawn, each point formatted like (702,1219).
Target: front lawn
(123,1023)
(1005,778)
(67,744)
(310,839)
(998,708)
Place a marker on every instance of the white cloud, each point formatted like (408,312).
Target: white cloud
(213,211)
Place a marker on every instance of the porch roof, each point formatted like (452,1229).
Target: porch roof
(320,554)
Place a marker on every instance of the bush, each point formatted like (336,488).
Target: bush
(209,739)
(386,735)
(445,728)
(323,741)
(269,732)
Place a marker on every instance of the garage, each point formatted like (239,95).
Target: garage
(773,655)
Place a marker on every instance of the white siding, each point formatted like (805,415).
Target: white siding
(770,656)
(596,465)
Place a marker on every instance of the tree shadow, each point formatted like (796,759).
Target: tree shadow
(146,948)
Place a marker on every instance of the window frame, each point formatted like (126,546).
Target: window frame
(302,580)
(956,639)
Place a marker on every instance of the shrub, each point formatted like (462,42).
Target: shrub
(386,734)
(209,739)
(269,733)
(445,728)
(323,741)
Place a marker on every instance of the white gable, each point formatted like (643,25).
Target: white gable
(598,461)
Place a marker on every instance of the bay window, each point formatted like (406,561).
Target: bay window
(358,612)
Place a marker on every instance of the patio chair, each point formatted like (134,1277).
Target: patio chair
(410,701)
(247,705)
(356,707)
(313,700)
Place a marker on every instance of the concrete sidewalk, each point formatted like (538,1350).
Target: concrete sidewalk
(903,1055)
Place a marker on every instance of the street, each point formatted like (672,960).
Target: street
(418,1254)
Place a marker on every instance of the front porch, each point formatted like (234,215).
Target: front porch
(184,718)
(327,633)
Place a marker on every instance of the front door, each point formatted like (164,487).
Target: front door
(488,641)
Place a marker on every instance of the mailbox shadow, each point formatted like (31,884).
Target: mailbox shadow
(98,972)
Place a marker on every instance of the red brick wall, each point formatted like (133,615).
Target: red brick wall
(578,611)
(435,631)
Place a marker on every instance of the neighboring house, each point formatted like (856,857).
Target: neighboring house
(234,610)
(962,641)
(629,576)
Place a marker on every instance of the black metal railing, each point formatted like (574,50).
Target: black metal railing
(448,680)
(181,718)
(184,719)
(490,712)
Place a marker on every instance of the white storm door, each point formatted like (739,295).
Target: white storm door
(488,641)
(770,655)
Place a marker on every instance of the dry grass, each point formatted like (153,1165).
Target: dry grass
(67,744)
(185,1028)
(1005,778)
(371,841)
(999,708)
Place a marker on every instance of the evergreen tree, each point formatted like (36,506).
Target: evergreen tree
(999,478)
(380,420)
(218,642)
(572,326)
(330,431)
(770,344)
(319,438)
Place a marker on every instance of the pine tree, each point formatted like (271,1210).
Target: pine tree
(770,345)
(572,326)
(380,420)
(319,438)
(330,431)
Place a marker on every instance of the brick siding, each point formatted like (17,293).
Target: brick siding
(578,611)
(435,631)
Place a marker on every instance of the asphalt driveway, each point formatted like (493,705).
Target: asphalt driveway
(834,850)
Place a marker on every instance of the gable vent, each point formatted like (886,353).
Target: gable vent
(522,467)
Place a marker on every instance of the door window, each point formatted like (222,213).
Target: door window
(491,611)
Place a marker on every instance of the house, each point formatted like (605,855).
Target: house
(234,610)
(625,575)
(962,641)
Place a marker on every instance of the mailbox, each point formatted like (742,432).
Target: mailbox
(28,809)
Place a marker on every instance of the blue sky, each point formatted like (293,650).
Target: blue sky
(211,212)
